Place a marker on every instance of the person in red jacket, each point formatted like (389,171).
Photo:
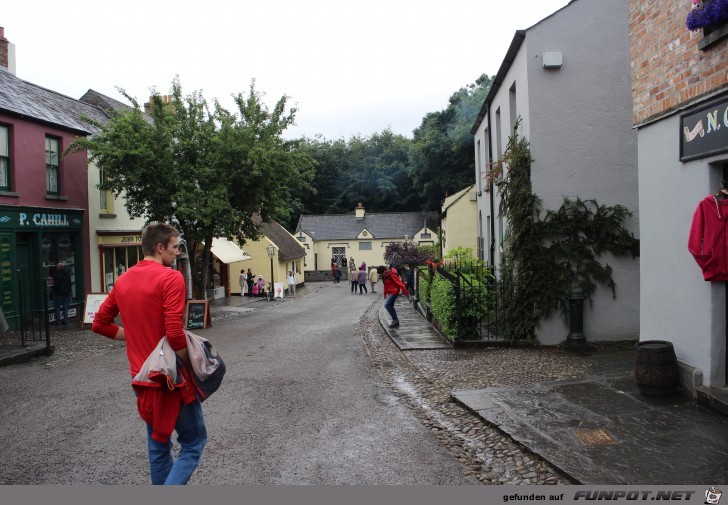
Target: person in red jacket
(393,286)
(150,297)
(708,240)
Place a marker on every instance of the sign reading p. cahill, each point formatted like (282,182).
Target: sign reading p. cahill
(704,131)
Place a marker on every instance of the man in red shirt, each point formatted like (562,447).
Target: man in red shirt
(393,285)
(150,297)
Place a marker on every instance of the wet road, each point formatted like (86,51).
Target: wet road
(300,404)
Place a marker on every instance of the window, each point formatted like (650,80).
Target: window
(59,248)
(4,158)
(425,235)
(53,186)
(106,201)
(512,110)
(365,246)
(117,260)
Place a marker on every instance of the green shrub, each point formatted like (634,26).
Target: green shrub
(443,306)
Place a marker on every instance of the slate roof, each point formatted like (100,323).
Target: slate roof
(380,225)
(22,98)
(104,102)
(288,247)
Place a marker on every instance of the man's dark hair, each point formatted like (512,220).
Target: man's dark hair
(381,269)
(157,233)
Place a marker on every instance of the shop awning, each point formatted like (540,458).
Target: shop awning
(227,251)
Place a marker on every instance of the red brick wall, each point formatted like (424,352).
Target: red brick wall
(668,69)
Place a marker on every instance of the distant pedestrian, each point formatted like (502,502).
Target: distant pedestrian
(353,279)
(292,281)
(61,293)
(393,286)
(337,274)
(250,279)
(243,281)
(261,285)
(334,266)
(352,263)
(408,276)
(362,278)
(373,278)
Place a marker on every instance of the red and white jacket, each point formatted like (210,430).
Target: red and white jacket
(708,241)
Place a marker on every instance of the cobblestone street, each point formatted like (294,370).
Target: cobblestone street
(424,380)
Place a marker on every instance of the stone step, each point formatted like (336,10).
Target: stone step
(716,398)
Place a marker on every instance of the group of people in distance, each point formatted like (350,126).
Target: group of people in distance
(393,284)
(251,287)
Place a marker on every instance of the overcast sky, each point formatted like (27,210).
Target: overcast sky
(349,67)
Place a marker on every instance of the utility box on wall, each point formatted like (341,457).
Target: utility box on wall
(552,59)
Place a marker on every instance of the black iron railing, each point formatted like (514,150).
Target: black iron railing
(464,300)
(29,325)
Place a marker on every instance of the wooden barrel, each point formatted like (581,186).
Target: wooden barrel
(655,368)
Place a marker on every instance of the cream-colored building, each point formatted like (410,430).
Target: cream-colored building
(458,221)
(360,235)
(288,255)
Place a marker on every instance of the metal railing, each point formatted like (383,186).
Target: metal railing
(469,306)
(30,324)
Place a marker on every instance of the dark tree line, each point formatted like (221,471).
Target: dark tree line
(391,173)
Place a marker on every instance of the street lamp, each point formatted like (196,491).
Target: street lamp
(271,250)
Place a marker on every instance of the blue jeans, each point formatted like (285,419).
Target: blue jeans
(389,306)
(191,435)
(59,302)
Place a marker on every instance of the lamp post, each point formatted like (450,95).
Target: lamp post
(271,250)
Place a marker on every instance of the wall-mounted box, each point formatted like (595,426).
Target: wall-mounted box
(552,59)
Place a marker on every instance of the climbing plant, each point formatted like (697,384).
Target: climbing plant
(546,253)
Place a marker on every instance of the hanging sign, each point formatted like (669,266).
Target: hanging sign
(704,132)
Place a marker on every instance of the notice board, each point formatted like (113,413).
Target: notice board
(197,314)
(91,307)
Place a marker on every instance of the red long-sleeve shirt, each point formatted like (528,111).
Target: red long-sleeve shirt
(151,300)
(393,284)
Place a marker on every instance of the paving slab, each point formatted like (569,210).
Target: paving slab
(414,331)
(599,430)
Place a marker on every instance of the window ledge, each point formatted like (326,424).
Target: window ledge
(57,197)
(718,34)
(9,193)
(107,216)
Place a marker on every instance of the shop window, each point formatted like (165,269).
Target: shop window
(53,183)
(59,248)
(105,198)
(117,260)
(4,158)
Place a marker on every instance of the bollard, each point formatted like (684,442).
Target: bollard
(576,340)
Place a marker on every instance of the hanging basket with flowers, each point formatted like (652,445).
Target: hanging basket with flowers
(707,14)
(495,173)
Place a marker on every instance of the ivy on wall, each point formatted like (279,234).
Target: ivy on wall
(546,253)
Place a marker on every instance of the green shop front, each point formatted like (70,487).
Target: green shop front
(32,242)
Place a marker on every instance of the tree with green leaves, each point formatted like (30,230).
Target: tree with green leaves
(212,172)
(442,160)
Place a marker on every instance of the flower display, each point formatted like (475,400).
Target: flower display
(705,13)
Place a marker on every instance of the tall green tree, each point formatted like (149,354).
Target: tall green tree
(442,158)
(210,170)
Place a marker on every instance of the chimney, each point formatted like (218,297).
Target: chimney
(165,99)
(7,53)
(359,211)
